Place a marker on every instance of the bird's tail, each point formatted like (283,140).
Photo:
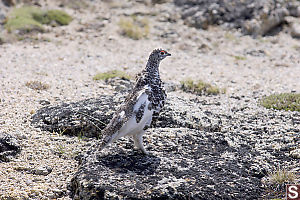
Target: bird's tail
(105,142)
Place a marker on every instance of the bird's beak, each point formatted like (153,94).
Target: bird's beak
(168,54)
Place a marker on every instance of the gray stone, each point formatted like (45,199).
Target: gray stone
(192,165)
(265,22)
(295,30)
(9,147)
(295,153)
(184,164)
(253,17)
(41,171)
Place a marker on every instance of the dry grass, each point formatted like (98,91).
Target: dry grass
(280,177)
(200,87)
(37,85)
(134,28)
(112,74)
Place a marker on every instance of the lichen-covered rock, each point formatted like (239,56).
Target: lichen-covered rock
(8,147)
(184,164)
(85,118)
(226,157)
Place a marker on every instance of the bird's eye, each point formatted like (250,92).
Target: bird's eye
(162,53)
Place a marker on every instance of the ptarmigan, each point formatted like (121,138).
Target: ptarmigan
(141,106)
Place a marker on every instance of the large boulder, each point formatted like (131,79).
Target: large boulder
(86,118)
(207,152)
(184,164)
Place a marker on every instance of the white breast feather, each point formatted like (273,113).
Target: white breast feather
(131,126)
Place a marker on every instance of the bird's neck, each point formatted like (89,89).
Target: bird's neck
(152,69)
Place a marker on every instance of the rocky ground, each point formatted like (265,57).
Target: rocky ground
(200,145)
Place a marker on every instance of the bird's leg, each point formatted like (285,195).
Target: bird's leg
(138,142)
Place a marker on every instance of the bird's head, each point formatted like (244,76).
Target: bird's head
(159,54)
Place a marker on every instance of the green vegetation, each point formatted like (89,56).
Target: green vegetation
(1,39)
(61,149)
(22,19)
(134,28)
(240,57)
(28,19)
(112,74)
(58,16)
(200,87)
(37,85)
(284,101)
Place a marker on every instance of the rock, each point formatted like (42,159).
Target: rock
(9,2)
(201,148)
(184,164)
(8,147)
(224,158)
(295,30)
(295,153)
(266,22)
(189,166)
(41,171)
(294,8)
(254,17)
(88,117)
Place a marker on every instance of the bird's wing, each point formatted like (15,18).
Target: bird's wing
(123,114)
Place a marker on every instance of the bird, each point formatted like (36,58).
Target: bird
(141,107)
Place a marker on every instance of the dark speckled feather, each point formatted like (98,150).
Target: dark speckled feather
(148,82)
